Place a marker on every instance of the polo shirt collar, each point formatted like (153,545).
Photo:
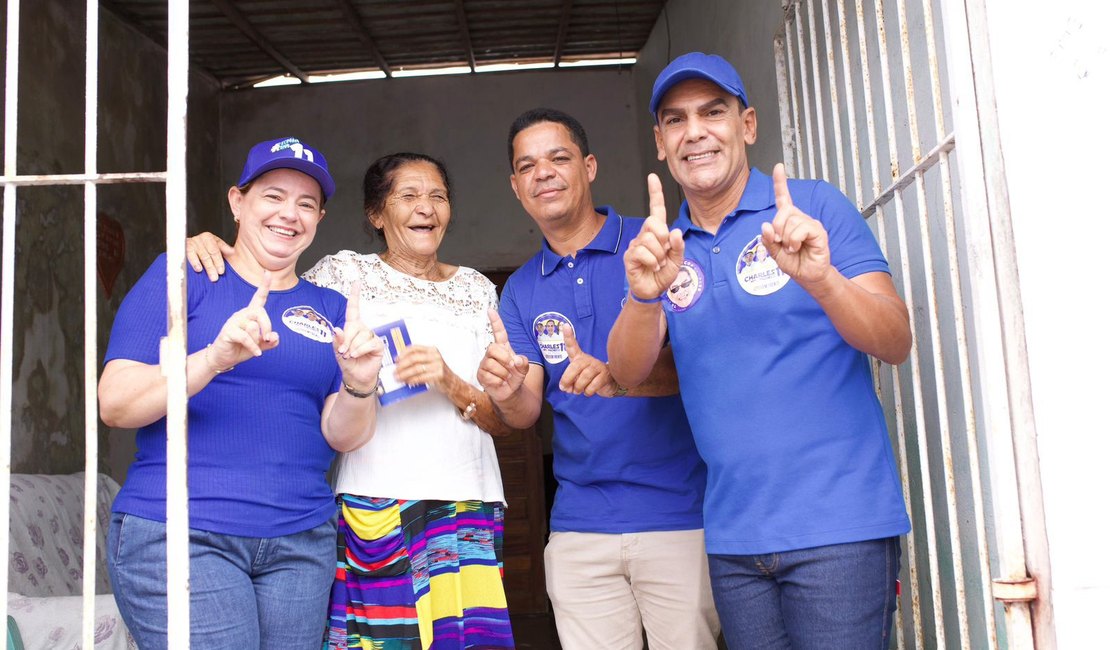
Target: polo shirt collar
(759,194)
(607,240)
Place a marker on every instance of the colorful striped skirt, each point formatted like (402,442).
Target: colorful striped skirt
(418,575)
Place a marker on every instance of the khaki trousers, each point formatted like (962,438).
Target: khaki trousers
(607,590)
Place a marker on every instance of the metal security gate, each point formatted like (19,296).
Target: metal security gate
(891,101)
(173,349)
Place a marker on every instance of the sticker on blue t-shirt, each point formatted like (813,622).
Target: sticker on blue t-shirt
(548,330)
(757,272)
(308,322)
(687,287)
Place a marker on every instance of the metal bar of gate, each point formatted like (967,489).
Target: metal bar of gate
(915,361)
(174,348)
(834,100)
(896,373)
(945,433)
(7,278)
(92,432)
(782,79)
(818,103)
(803,83)
(963,356)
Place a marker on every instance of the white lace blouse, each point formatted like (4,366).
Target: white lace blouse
(421,448)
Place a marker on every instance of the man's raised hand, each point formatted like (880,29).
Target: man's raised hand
(798,243)
(655,255)
(502,371)
(585,375)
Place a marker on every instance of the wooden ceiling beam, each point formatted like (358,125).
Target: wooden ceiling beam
(564,27)
(239,20)
(465,31)
(355,21)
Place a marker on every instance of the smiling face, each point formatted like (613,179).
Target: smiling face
(682,289)
(277,215)
(416,212)
(703,133)
(550,176)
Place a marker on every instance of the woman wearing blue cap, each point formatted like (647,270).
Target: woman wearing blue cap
(268,354)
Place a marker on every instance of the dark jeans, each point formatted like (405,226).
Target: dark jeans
(829,598)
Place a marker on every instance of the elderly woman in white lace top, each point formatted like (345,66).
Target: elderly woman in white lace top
(421,504)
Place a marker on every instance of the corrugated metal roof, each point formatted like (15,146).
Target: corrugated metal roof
(241,42)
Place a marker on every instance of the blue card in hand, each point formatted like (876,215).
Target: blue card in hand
(396,338)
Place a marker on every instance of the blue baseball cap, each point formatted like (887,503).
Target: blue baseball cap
(288,153)
(697,65)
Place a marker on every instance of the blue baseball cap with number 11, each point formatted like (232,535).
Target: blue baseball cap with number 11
(288,153)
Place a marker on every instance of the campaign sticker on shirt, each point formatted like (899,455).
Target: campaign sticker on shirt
(757,271)
(306,321)
(687,287)
(548,329)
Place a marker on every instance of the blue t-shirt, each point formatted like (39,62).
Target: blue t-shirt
(624,464)
(783,409)
(257,456)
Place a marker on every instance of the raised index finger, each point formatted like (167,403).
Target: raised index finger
(571,342)
(782,192)
(499,333)
(657,207)
(353,313)
(263,292)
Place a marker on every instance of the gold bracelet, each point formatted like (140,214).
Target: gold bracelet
(468,412)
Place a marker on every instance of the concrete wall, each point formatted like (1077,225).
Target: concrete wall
(1052,78)
(464,121)
(48,384)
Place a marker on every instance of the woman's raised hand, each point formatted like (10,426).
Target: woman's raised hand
(246,333)
(358,350)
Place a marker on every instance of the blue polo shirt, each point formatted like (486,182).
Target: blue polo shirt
(783,410)
(624,464)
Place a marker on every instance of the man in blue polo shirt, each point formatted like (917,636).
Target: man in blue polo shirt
(626,552)
(788,295)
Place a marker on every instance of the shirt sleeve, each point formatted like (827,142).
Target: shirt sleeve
(853,248)
(140,322)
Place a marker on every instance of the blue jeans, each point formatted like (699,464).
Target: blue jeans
(245,592)
(829,598)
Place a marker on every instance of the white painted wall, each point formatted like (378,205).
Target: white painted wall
(1052,76)
(464,121)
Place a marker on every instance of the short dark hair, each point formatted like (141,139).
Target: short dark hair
(539,115)
(378,181)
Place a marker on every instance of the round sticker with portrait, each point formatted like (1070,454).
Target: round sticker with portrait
(687,287)
(757,272)
(548,330)
(306,321)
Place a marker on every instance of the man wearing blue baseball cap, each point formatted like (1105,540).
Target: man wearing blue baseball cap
(803,505)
